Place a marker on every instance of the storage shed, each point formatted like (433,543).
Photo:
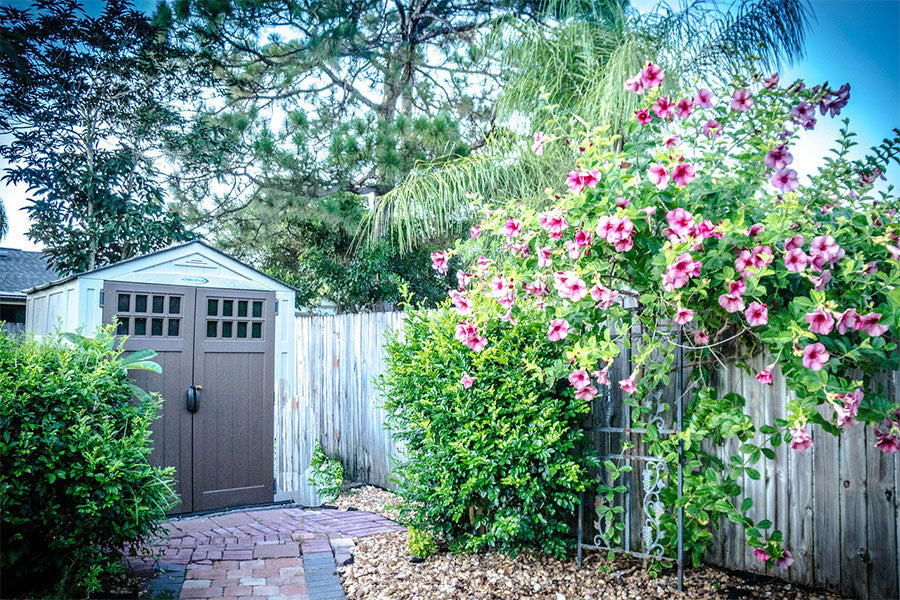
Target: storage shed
(224,334)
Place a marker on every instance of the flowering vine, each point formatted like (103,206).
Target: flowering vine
(692,224)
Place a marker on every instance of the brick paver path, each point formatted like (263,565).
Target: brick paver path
(284,553)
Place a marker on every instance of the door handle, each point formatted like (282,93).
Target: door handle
(193,398)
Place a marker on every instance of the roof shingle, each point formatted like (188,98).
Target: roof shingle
(21,270)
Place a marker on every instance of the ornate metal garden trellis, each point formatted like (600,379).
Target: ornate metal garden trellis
(619,444)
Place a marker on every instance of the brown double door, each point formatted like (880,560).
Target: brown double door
(216,349)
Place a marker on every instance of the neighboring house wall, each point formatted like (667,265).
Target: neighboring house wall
(19,271)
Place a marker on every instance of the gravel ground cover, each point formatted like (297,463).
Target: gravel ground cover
(381,570)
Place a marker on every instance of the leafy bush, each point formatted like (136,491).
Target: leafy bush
(76,486)
(326,474)
(421,544)
(498,464)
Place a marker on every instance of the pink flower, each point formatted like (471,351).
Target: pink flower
(643,116)
(755,230)
(826,247)
(578,180)
(628,385)
(815,357)
(847,411)
(820,321)
(760,554)
(680,272)
(681,222)
(704,98)
(869,324)
(617,231)
(712,129)
(463,279)
(604,297)
(461,302)
(634,84)
(731,303)
(602,376)
(741,100)
(466,380)
(622,202)
(671,142)
(512,228)
(801,440)
(586,393)
(765,377)
(474,231)
(658,175)
(545,257)
(684,107)
(559,329)
(508,318)
(652,76)
(583,238)
(663,107)
(701,338)
(468,335)
(573,249)
(786,559)
(683,315)
(849,319)
(770,83)
(683,174)
(793,243)
(885,439)
(757,314)
(795,260)
(779,158)
(539,140)
(579,379)
(554,224)
(536,288)
(439,262)
(785,180)
(575,289)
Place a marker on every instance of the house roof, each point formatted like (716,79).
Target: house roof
(21,270)
(47,284)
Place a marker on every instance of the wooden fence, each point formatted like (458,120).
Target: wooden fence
(837,504)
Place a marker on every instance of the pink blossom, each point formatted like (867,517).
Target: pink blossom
(681,222)
(795,260)
(622,202)
(536,288)
(737,287)
(794,243)
(757,314)
(439,262)
(820,321)
(785,180)
(847,411)
(474,231)
(628,385)
(760,554)
(679,272)
(820,281)
(539,140)
(731,303)
(658,175)
(684,107)
(805,114)
(461,302)
(683,174)
(643,116)
(786,559)
(578,180)
(634,84)
(604,297)
(755,230)
(778,158)
(579,378)
(648,211)
(573,249)
(701,338)
(712,129)
(544,256)
(663,107)
(671,142)
(704,98)
(801,440)
(683,315)
(602,376)
(466,380)
(770,83)
(582,238)
(559,329)
(885,439)
(508,318)
(849,319)
(869,324)
(765,377)
(815,356)
(554,224)
(826,246)
(586,393)
(617,231)
(741,100)
(512,228)
(575,289)
(463,279)
(652,76)
(467,333)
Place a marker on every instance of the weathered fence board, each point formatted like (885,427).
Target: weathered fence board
(837,504)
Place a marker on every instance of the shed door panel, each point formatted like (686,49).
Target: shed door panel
(233,428)
(160,318)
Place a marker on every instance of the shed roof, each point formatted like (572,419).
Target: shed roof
(21,270)
(158,252)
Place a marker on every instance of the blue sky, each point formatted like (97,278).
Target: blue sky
(850,40)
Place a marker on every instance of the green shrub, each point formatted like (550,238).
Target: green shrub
(421,544)
(326,474)
(498,465)
(76,487)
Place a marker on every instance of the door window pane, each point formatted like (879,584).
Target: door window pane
(140,325)
(122,327)
(159,303)
(257,308)
(175,305)
(226,328)
(140,303)
(124,302)
(211,327)
(242,329)
(174,327)
(212,307)
(256,330)
(227,307)
(242,308)
(156,327)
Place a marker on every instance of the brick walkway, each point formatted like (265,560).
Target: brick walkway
(284,553)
